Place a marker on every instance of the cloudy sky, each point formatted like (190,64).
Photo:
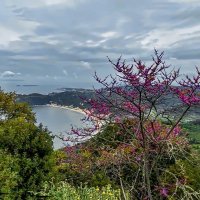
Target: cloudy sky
(62,42)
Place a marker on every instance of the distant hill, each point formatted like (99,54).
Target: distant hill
(69,97)
(73,97)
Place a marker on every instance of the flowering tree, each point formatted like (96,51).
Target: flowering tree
(135,101)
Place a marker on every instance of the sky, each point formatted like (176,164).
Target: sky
(63,42)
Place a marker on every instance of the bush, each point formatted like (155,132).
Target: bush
(31,147)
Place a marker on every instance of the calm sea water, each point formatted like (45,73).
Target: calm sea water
(58,121)
(19,88)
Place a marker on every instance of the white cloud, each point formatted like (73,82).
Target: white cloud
(25,57)
(7,36)
(128,37)
(86,65)
(9,74)
(43,3)
(54,2)
(14,31)
(109,34)
(165,38)
(47,39)
(69,3)
(122,21)
(185,1)
(65,72)
(91,43)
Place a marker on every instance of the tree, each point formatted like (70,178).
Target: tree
(147,104)
(9,174)
(29,145)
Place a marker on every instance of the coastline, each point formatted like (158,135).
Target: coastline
(76,109)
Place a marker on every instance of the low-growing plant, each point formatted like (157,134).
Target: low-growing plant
(64,191)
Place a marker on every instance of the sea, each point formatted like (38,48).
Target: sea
(21,88)
(59,121)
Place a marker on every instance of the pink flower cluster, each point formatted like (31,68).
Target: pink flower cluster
(130,107)
(188,96)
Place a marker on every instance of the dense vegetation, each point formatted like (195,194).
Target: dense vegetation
(140,147)
(141,150)
(193,128)
(25,150)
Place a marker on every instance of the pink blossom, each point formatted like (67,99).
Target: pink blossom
(130,107)
(164,192)
(117,119)
(177,131)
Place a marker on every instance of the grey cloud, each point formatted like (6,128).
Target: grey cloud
(187,49)
(188,16)
(67,42)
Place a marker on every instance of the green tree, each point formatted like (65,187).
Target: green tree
(30,146)
(9,174)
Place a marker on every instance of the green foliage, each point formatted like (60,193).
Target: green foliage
(67,98)
(112,135)
(84,174)
(31,146)
(64,191)
(109,136)
(183,178)
(103,158)
(193,130)
(9,109)
(9,175)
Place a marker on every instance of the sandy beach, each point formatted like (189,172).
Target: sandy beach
(79,110)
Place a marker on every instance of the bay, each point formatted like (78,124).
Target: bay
(58,121)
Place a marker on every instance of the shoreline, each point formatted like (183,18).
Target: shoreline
(76,109)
